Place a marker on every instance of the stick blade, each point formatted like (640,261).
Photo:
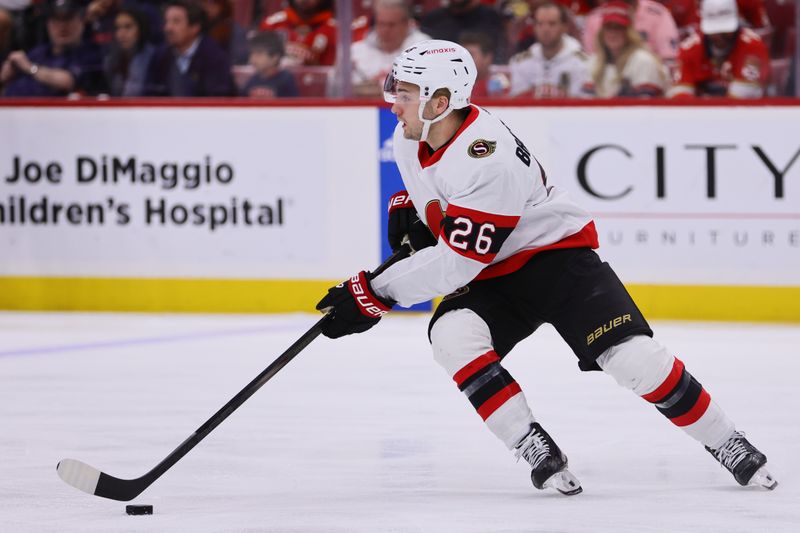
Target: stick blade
(78,474)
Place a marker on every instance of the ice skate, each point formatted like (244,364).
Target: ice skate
(548,462)
(744,461)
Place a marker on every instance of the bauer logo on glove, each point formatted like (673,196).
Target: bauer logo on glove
(353,307)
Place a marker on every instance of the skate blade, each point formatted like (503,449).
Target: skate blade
(564,482)
(763,478)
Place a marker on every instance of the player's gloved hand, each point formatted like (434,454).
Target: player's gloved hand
(404,220)
(353,307)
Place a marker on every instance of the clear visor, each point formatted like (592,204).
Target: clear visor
(390,88)
(392,92)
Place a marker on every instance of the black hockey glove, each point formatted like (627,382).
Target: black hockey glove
(354,307)
(404,220)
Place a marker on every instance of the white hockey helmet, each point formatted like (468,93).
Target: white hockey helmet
(433,65)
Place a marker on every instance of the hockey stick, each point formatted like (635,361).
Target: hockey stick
(93,481)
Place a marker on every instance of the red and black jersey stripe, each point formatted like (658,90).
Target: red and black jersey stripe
(476,234)
(486,383)
(681,398)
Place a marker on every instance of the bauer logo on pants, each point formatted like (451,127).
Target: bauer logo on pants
(605,328)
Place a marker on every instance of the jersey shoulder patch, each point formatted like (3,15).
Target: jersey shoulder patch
(481,148)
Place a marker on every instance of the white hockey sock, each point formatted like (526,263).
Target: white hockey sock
(641,364)
(462,344)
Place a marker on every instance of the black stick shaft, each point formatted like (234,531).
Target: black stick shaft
(125,490)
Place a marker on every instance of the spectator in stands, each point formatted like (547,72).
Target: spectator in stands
(189,63)
(309,31)
(554,67)
(521,29)
(100,19)
(724,59)
(623,65)
(488,84)
(64,65)
(228,34)
(393,31)
(130,54)
(652,20)
(687,15)
(467,16)
(270,80)
(101,15)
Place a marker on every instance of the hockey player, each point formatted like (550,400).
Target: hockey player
(511,252)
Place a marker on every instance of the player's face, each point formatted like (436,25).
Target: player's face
(548,26)
(406,107)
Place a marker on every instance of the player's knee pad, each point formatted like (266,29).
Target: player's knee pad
(458,337)
(638,363)
(641,364)
(462,344)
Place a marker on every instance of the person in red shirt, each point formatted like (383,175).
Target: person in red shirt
(687,15)
(309,29)
(723,59)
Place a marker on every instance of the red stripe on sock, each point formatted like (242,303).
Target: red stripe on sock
(694,414)
(666,387)
(493,404)
(474,366)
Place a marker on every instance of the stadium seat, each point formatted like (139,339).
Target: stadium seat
(313,81)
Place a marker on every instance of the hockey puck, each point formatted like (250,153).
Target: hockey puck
(139,509)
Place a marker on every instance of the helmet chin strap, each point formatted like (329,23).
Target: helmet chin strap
(426,124)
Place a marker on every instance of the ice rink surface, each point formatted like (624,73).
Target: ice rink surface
(368,434)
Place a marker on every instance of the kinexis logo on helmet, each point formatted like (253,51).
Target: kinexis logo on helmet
(437,51)
(481,148)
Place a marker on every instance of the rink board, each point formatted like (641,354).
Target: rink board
(266,208)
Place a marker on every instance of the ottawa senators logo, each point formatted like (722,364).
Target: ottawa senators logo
(481,148)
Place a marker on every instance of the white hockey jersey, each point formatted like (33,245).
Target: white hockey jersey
(486,198)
